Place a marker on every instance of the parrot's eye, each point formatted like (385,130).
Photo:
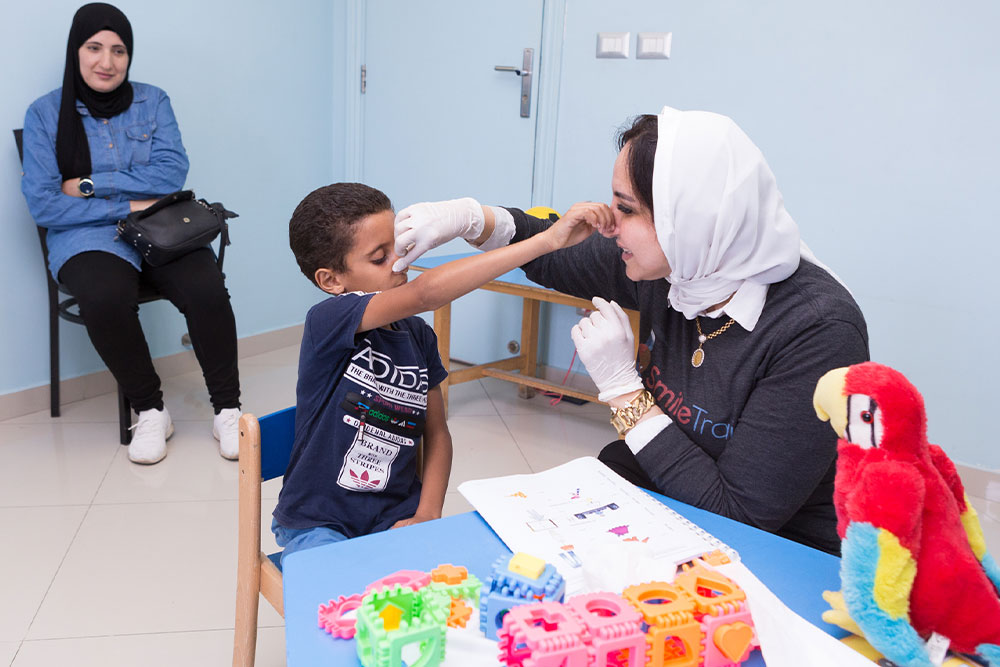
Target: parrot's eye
(864,421)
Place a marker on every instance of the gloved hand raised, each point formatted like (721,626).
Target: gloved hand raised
(427,225)
(606,345)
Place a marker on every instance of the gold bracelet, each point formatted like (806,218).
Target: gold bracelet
(623,419)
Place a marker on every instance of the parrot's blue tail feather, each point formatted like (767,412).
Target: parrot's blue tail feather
(992,571)
(890,634)
(991,652)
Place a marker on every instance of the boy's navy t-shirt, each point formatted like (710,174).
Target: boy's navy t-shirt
(361,404)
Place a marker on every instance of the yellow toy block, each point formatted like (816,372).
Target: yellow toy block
(526,565)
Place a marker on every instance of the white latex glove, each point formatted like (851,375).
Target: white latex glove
(606,345)
(427,225)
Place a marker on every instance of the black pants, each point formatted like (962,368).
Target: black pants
(620,458)
(107,290)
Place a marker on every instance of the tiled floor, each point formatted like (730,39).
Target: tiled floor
(108,563)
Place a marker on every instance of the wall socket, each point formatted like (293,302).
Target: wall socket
(613,44)
(653,45)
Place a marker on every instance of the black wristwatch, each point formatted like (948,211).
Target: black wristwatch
(86,187)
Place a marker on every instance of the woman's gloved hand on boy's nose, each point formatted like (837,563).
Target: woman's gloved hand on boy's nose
(427,225)
(606,346)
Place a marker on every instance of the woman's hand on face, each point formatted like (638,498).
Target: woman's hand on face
(71,187)
(579,222)
(596,214)
(140,204)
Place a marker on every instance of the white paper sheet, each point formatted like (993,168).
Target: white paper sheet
(581,516)
(787,639)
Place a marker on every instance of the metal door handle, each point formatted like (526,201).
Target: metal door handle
(509,68)
(525,74)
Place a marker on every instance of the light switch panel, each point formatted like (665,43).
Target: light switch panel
(613,44)
(653,45)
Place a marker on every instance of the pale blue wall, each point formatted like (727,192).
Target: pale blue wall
(257,93)
(880,121)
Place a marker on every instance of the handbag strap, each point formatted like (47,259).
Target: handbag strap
(221,214)
(163,202)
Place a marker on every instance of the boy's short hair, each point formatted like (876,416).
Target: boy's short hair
(320,231)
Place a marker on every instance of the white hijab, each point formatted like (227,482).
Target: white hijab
(719,216)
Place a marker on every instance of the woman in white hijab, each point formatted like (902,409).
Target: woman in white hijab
(738,327)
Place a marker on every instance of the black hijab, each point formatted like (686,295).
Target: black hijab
(72,149)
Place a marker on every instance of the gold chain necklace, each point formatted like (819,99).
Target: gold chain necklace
(698,358)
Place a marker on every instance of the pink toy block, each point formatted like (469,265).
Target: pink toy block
(331,616)
(727,633)
(542,634)
(413,579)
(614,629)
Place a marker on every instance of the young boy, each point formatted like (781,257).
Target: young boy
(369,370)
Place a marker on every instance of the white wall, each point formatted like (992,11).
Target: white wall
(257,95)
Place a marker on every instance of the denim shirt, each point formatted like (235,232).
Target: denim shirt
(137,154)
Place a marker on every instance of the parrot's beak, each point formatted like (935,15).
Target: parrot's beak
(829,400)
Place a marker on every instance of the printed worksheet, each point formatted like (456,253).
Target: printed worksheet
(568,513)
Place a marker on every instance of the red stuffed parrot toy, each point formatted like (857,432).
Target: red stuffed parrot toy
(914,559)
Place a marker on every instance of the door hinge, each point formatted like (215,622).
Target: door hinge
(364,79)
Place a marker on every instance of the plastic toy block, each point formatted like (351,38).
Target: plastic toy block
(392,618)
(414,579)
(543,634)
(712,592)
(391,615)
(449,574)
(460,614)
(467,589)
(614,630)
(331,616)
(700,619)
(508,589)
(674,634)
(660,603)
(526,565)
(493,607)
(715,558)
(730,642)
(676,645)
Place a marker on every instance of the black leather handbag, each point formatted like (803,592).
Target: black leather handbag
(174,226)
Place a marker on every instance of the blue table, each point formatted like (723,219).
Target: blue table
(796,574)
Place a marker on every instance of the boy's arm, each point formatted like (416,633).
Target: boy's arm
(443,284)
(437,462)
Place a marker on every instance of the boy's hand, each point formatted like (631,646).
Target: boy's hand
(578,223)
(416,518)
(421,227)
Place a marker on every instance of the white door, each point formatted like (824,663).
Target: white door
(440,122)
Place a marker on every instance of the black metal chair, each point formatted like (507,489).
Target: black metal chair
(65,309)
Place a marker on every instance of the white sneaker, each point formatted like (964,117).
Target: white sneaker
(149,436)
(226,429)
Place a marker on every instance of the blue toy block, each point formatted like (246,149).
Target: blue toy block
(507,590)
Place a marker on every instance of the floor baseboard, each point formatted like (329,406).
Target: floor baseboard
(35,399)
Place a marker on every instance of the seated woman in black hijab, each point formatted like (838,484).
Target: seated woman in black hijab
(95,150)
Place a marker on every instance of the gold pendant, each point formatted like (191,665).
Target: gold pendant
(698,358)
